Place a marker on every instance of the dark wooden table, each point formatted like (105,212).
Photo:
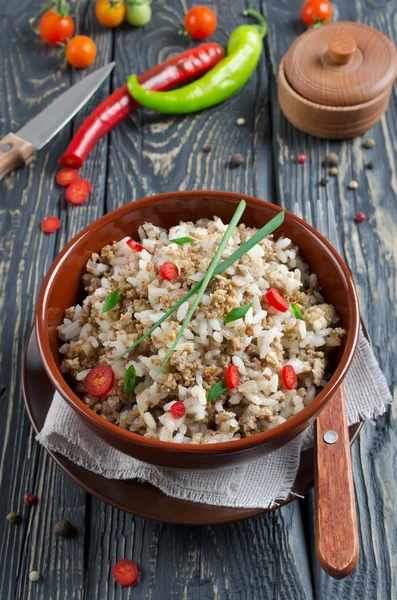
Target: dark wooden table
(269,557)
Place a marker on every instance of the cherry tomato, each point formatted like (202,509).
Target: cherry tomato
(77,193)
(50,224)
(55,28)
(99,381)
(316,12)
(125,572)
(277,300)
(110,12)
(135,246)
(289,377)
(81,51)
(232,377)
(200,22)
(177,410)
(65,177)
(138,13)
(169,271)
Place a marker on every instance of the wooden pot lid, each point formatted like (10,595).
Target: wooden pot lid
(341,64)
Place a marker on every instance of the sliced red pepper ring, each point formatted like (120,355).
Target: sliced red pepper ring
(65,177)
(50,224)
(233,378)
(177,410)
(135,246)
(169,271)
(77,193)
(277,300)
(86,184)
(99,381)
(289,377)
(125,572)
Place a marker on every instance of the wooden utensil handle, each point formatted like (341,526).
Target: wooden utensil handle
(337,546)
(14,153)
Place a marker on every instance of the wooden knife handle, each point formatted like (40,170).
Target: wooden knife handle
(337,545)
(14,153)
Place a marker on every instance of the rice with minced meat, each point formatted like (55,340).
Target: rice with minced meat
(258,344)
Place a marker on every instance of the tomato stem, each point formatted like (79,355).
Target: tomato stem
(46,7)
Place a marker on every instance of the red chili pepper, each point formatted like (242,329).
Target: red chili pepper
(65,177)
(78,192)
(135,246)
(289,377)
(174,71)
(277,300)
(169,271)
(99,381)
(232,377)
(177,410)
(51,224)
(125,572)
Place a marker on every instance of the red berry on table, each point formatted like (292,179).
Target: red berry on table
(301,158)
(169,271)
(289,377)
(177,410)
(65,177)
(125,572)
(233,378)
(29,499)
(360,216)
(50,224)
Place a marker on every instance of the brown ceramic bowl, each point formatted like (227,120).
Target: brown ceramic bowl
(62,287)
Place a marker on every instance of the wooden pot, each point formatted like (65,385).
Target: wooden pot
(335,81)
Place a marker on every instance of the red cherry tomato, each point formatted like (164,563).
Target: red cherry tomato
(177,410)
(289,377)
(125,572)
(99,381)
(51,224)
(277,300)
(55,29)
(316,12)
(135,246)
(65,177)
(232,377)
(200,22)
(169,271)
(81,51)
(78,193)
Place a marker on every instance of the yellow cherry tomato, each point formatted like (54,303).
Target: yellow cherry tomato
(110,12)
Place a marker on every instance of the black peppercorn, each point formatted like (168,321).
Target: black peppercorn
(63,528)
(236,160)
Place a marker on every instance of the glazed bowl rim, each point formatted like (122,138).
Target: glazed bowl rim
(305,416)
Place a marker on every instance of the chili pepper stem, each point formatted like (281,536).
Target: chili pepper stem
(262,23)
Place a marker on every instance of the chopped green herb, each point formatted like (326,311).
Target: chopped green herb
(236,255)
(296,311)
(182,240)
(129,380)
(237,313)
(217,390)
(111,300)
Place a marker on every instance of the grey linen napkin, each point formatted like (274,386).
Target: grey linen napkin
(258,484)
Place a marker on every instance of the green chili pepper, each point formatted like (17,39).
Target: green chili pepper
(220,83)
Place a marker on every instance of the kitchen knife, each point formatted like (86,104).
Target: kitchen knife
(18,149)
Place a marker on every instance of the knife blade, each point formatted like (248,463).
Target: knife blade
(19,149)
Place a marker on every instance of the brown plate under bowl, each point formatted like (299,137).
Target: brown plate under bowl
(62,286)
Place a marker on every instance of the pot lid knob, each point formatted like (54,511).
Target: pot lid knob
(341,48)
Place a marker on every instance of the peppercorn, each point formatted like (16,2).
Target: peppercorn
(301,158)
(207,148)
(236,160)
(240,121)
(370,164)
(63,528)
(332,159)
(34,576)
(13,517)
(323,181)
(360,216)
(333,171)
(369,143)
(353,185)
(29,499)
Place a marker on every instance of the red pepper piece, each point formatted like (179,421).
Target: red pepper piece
(169,271)
(135,246)
(125,572)
(51,224)
(277,300)
(77,193)
(233,378)
(86,184)
(99,381)
(175,71)
(65,177)
(289,377)
(177,410)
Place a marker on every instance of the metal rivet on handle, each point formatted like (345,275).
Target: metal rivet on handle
(330,437)
(5,147)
